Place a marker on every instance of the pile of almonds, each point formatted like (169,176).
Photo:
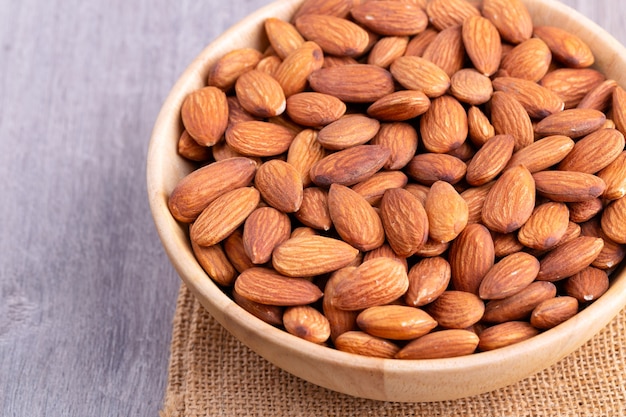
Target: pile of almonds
(407,178)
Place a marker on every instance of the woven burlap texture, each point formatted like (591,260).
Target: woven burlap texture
(213,374)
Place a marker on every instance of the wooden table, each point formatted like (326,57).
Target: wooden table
(86,292)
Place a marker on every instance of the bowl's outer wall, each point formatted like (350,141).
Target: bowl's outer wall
(380,379)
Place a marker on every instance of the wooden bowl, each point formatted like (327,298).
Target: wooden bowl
(373,378)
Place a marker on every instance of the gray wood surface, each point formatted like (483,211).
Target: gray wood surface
(86,292)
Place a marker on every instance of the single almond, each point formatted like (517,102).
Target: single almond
(339,8)
(428,279)
(581,211)
(519,305)
(475,199)
(490,160)
(614,176)
(270,314)
(505,244)
(553,311)
(511,200)
(566,46)
(390,18)
(358,83)
(612,253)
(335,35)
(594,152)
(448,13)
(215,263)
(574,123)
(600,97)
(419,74)
(349,166)
(569,258)
(190,149)
(283,36)
(264,229)
(618,104)
(348,131)
(204,113)
(572,84)
(280,185)
(469,86)
(428,168)
(447,50)
(293,72)
(457,309)
(373,188)
(471,256)
(364,344)
(354,219)
(269,64)
(545,227)
(229,67)
(479,126)
(386,50)
(440,344)
(259,138)
(399,106)
(418,43)
(395,322)
(404,220)
(568,186)
(538,101)
(341,321)
(508,116)
(306,323)
(482,43)
(614,220)
(313,211)
(401,139)
(375,282)
(266,286)
(314,109)
(530,60)
(235,251)
(307,256)
(447,212)
(511,17)
(508,276)
(260,94)
(543,153)
(505,334)
(587,285)
(304,152)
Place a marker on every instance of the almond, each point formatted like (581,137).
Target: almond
(204,113)
(480,128)
(572,84)
(448,13)
(399,106)
(553,311)
(447,50)
(595,151)
(428,168)
(475,198)
(508,116)
(538,101)
(341,321)
(230,66)
(306,323)
(568,186)
(386,251)
(612,253)
(375,282)
(511,18)
(236,113)
(190,149)
(543,153)
(447,212)
(264,229)
(416,73)
(600,97)
(348,131)
(386,50)
(566,47)
(307,256)
(235,251)
(404,220)
(349,166)
(418,43)
(280,185)
(530,60)
(614,220)
(373,188)
(482,43)
(569,258)
(490,160)
(456,309)
(339,8)
(260,94)
(314,109)
(581,211)
(401,140)
(304,152)
(362,343)
(614,176)
(471,256)
(395,322)
(390,18)
(269,64)
(519,306)
(293,72)
(511,200)
(508,276)
(505,334)
(355,220)
(358,83)
(432,248)
(587,285)
(619,108)
(223,215)
(313,211)
(259,138)
(545,227)
(469,86)
(215,263)
(335,35)
(266,286)
(428,279)
(269,314)
(574,123)
(440,344)
(283,36)
(505,244)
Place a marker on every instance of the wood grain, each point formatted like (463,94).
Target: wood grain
(86,292)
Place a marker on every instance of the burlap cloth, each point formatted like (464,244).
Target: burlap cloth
(213,374)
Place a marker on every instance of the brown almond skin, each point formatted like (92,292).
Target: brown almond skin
(348,131)
(198,189)
(404,220)
(307,256)
(582,211)
(457,309)
(594,152)
(266,286)
(444,125)
(294,71)
(566,47)
(419,74)
(264,229)
(354,219)
(490,160)
(428,168)
(569,258)
(234,249)
(280,185)
(612,253)
(215,263)
(447,212)
(341,321)
(306,323)
(519,306)
(482,43)
(349,166)
(418,43)
(313,211)
(282,35)
(225,214)
(314,109)
(359,83)
(505,244)
(614,221)
(204,113)
(259,138)
(335,35)
(470,86)
(447,50)
(508,276)
(572,84)
(375,282)
(364,344)
(471,256)
(395,322)
(373,188)
(449,13)
(600,97)
(574,123)
(508,116)
(260,94)
(440,344)
(304,152)
(390,19)
(475,198)
(530,60)
(587,284)
(229,67)
(511,18)
(554,311)
(505,334)
(545,227)
(386,50)
(428,279)
(401,139)
(480,128)
(190,149)
(614,176)
(618,103)
(568,186)
(543,153)
(386,251)
(399,106)
(270,314)
(538,101)
(339,8)
(510,202)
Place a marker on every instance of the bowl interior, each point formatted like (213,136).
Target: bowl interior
(381,379)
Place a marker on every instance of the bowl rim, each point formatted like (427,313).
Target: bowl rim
(252,331)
